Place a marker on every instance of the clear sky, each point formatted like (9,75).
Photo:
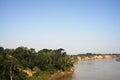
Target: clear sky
(78,26)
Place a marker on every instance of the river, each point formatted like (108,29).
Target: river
(107,69)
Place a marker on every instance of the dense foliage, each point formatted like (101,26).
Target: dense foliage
(14,62)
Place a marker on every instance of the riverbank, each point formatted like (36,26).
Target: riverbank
(95,57)
(60,74)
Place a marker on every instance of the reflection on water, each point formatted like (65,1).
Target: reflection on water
(97,70)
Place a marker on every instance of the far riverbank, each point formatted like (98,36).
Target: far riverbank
(82,57)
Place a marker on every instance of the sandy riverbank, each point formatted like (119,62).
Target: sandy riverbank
(60,74)
(95,57)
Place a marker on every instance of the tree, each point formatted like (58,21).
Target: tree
(1,50)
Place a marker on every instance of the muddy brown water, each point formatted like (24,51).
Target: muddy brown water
(107,69)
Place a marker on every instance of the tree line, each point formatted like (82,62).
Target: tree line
(14,61)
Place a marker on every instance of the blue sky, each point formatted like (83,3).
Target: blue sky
(78,26)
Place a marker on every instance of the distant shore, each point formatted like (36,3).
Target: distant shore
(95,57)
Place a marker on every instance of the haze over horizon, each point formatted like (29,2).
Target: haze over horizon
(78,26)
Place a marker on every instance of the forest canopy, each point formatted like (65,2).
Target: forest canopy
(16,63)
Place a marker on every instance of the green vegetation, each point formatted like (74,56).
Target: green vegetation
(27,64)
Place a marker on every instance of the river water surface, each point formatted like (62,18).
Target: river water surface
(107,69)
